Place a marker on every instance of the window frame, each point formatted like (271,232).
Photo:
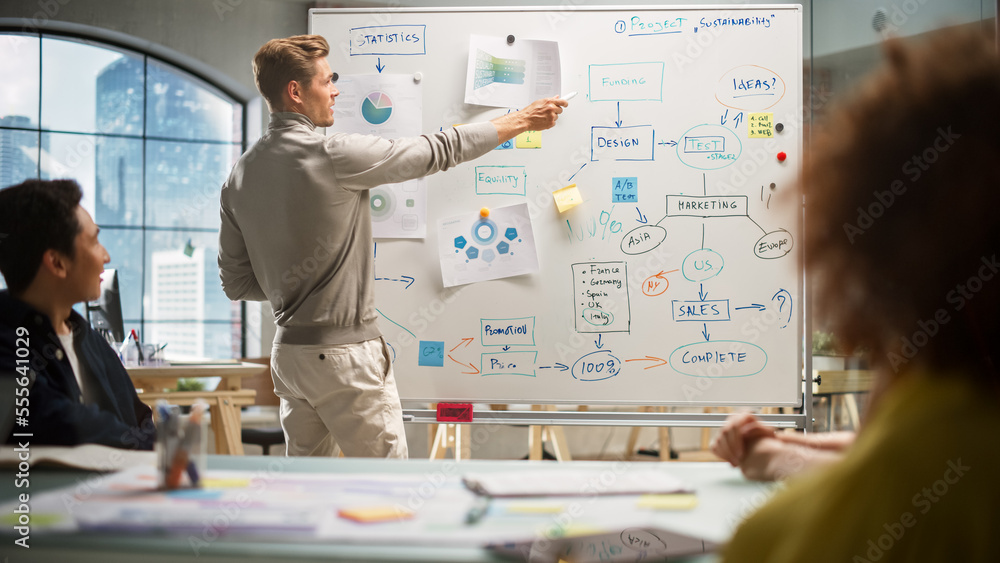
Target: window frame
(201,74)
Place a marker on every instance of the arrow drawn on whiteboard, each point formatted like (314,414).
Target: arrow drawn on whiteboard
(736,120)
(474,371)
(642,218)
(402,279)
(660,361)
(506,348)
(560,367)
(704,332)
(757,306)
(379,66)
(619,122)
(465,341)
(702,294)
(598,342)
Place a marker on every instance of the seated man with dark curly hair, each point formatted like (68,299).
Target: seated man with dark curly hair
(69,387)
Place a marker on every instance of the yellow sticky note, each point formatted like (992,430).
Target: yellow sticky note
(534,508)
(369,514)
(761,125)
(529,140)
(567,198)
(231,483)
(668,502)
(574,530)
(42,520)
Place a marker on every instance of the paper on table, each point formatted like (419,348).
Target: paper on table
(629,544)
(573,482)
(84,456)
(371,514)
(668,502)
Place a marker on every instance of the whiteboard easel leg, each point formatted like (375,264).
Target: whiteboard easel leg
(537,435)
(450,436)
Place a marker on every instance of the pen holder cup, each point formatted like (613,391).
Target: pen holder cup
(180,445)
(128,353)
(152,355)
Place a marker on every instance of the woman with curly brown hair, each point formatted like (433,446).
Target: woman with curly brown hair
(901,240)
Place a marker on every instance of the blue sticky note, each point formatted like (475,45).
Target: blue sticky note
(624,190)
(508,144)
(431,353)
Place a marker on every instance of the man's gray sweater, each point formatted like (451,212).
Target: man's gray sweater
(296,223)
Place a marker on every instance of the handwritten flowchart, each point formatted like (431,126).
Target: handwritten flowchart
(665,253)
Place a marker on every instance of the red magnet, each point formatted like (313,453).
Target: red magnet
(782,156)
(454,412)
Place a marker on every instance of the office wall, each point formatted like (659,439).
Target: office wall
(221,35)
(224,34)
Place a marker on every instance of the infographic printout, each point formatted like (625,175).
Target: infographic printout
(390,106)
(511,75)
(474,248)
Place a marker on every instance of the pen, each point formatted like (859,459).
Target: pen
(138,346)
(158,350)
(569,96)
(478,510)
(181,461)
(192,440)
(124,346)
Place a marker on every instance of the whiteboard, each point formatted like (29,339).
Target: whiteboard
(676,281)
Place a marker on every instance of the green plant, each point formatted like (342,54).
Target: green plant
(824,344)
(190,384)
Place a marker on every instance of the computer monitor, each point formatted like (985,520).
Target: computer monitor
(105,313)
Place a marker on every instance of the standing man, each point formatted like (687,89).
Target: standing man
(69,385)
(296,231)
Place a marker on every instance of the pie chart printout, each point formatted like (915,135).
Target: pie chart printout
(376,108)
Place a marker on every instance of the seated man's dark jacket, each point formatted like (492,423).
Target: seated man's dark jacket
(113,416)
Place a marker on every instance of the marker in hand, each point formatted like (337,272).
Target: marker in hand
(569,96)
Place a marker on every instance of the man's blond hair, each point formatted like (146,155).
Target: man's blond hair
(281,61)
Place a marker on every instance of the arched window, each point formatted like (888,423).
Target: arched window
(151,145)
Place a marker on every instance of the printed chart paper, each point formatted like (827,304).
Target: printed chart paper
(390,106)
(511,75)
(474,249)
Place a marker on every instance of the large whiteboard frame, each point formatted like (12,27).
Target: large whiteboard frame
(420,316)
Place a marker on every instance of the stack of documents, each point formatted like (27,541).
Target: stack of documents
(574,482)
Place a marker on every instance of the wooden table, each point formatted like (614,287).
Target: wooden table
(156,382)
